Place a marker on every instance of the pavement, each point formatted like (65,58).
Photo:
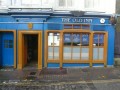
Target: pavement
(95,78)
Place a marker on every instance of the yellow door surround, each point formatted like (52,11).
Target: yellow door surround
(21,34)
(14,33)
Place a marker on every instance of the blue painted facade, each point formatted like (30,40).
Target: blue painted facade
(14,21)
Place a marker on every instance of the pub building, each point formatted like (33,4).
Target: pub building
(56,39)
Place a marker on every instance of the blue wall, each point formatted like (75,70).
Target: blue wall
(56,23)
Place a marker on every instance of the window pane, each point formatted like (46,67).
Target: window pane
(69,3)
(56,39)
(95,53)
(76,53)
(101,40)
(89,3)
(67,39)
(6,41)
(50,39)
(6,46)
(50,52)
(85,39)
(101,53)
(96,36)
(56,52)
(10,41)
(76,39)
(85,54)
(61,2)
(67,53)
(10,46)
(38,2)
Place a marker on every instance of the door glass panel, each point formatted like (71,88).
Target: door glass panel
(85,54)
(67,53)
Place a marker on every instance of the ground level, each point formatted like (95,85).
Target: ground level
(94,85)
(61,79)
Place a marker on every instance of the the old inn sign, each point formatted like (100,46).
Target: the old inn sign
(76,20)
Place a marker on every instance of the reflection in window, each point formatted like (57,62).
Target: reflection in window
(68,39)
(85,39)
(98,40)
(101,40)
(73,46)
(76,39)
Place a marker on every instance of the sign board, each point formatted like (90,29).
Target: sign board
(77,20)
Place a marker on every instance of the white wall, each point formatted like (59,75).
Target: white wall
(107,6)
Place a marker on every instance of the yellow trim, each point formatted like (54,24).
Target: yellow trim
(20,46)
(14,33)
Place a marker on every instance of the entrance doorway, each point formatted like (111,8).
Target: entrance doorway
(29,49)
(31,53)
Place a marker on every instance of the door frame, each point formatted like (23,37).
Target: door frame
(20,46)
(14,36)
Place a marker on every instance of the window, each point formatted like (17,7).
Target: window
(65,3)
(31,2)
(76,46)
(8,43)
(53,46)
(92,3)
(5,3)
(98,46)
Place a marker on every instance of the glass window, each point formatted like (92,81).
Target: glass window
(6,46)
(85,39)
(61,3)
(6,41)
(95,40)
(92,3)
(69,3)
(67,53)
(98,50)
(85,53)
(76,53)
(10,46)
(76,39)
(101,40)
(31,2)
(53,45)
(65,3)
(50,52)
(67,39)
